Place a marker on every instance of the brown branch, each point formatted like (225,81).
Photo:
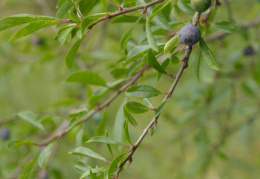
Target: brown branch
(132,81)
(118,13)
(153,122)
(99,108)
(218,35)
(124,11)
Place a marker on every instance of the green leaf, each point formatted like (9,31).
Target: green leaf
(114,84)
(63,34)
(92,175)
(108,145)
(16,20)
(133,68)
(148,102)
(150,36)
(45,154)
(197,64)
(128,35)
(119,73)
(82,167)
(79,137)
(176,13)
(30,117)
(87,152)
(101,124)
(74,17)
(86,77)
(85,23)
(104,4)
(104,140)
(164,65)
(64,8)
(152,131)
(114,164)
(16,143)
(116,2)
(129,117)
(185,7)
(32,27)
(119,123)
(60,2)
(225,26)
(77,118)
(154,63)
(70,56)
(142,91)
(128,2)
(159,19)
(171,44)
(158,9)
(175,60)
(208,57)
(136,52)
(136,108)
(28,169)
(100,93)
(126,133)
(160,108)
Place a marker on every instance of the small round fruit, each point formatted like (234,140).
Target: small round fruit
(190,34)
(5,133)
(200,5)
(249,50)
(37,41)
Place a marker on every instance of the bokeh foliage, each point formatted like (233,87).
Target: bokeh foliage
(209,128)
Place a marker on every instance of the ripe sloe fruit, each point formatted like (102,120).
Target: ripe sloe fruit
(37,41)
(5,133)
(190,34)
(200,5)
(249,50)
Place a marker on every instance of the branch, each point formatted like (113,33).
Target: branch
(124,11)
(131,82)
(154,120)
(99,108)
(185,60)
(218,35)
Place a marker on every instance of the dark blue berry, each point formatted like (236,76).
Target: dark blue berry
(5,133)
(190,34)
(37,41)
(249,50)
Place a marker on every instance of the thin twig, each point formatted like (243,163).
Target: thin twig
(99,108)
(153,122)
(124,11)
(218,35)
(131,82)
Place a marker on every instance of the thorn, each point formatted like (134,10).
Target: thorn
(107,16)
(152,109)
(173,76)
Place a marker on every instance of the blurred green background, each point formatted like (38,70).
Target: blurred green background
(209,129)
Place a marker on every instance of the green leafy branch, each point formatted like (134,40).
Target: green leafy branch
(154,121)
